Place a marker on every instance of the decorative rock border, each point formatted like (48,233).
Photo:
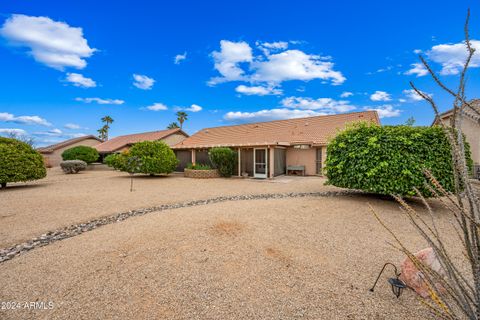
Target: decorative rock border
(77,229)
(201,174)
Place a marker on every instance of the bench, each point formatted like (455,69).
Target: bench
(296,169)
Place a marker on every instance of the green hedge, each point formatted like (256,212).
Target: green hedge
(84,153)
(19,162)
(223,159)
(390,159)
(155,157)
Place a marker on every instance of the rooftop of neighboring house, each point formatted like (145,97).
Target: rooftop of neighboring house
(472,111)
(121,142)
(312,130)
(66,143)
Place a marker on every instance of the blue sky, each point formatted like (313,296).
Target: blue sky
(65,64)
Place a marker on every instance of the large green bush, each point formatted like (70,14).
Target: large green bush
(390,159)
(155,157)
(19,162)
(223,159)
(84,153)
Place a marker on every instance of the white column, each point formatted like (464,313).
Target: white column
(271,161)
(239,162)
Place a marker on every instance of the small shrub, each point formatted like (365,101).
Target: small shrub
(199,166)
(117,161)
(155,157)
(224,160)
(19,162)
(390,159)
(73,166)
(84,153)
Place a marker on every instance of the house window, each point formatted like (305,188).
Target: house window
(318,161)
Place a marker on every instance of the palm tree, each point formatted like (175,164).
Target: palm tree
(181,117)
(107,120)
(102,133)
(173,125)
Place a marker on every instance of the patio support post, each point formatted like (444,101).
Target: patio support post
(193,156)
(239,162)
(271,160)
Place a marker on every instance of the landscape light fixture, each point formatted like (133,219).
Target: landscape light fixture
(396,284)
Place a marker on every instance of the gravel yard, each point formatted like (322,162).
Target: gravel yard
(296,258)
(28,210)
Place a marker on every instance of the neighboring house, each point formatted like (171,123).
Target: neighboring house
(52,155)
(123,143)
(470,127)
(268,149)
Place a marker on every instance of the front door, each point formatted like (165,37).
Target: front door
(260,168)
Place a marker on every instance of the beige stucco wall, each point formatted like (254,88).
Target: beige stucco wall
(173,139)
(53,159)
(471,129)
(302,157)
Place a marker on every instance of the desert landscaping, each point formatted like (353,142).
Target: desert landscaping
(309,257)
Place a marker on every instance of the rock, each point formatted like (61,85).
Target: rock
(413,277)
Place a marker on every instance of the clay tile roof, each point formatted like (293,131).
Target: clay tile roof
(312,130)
(66,143)
(472,111)
(120,142)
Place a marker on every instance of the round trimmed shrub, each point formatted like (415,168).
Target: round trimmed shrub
(155,157)
(84,153)
(19,162)
(223,159)
(390,159)
(73,166)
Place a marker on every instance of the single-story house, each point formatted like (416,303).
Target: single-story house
(269,149)
(122,143)
(52,155)
(470,127)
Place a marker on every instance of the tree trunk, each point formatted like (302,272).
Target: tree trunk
(3,184)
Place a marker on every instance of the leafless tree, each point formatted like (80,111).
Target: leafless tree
(460,298)
(20,137)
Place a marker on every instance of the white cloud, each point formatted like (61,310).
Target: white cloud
(258,90)
(50,133)
(72,126)
(100,100)
(417,51)
(194,108)
(56,133)
(346,94)
(278,45)
(52,43)
(235,62)
(267,47)
(180,57)
(143,82)
(227,61)
(295,65)
(7,131)
(157,107)
(414,96)
(380,96)
(79,80)
(8,117)
(417,69)
(385,111)
(452,56)
(269,114)
(324,105)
